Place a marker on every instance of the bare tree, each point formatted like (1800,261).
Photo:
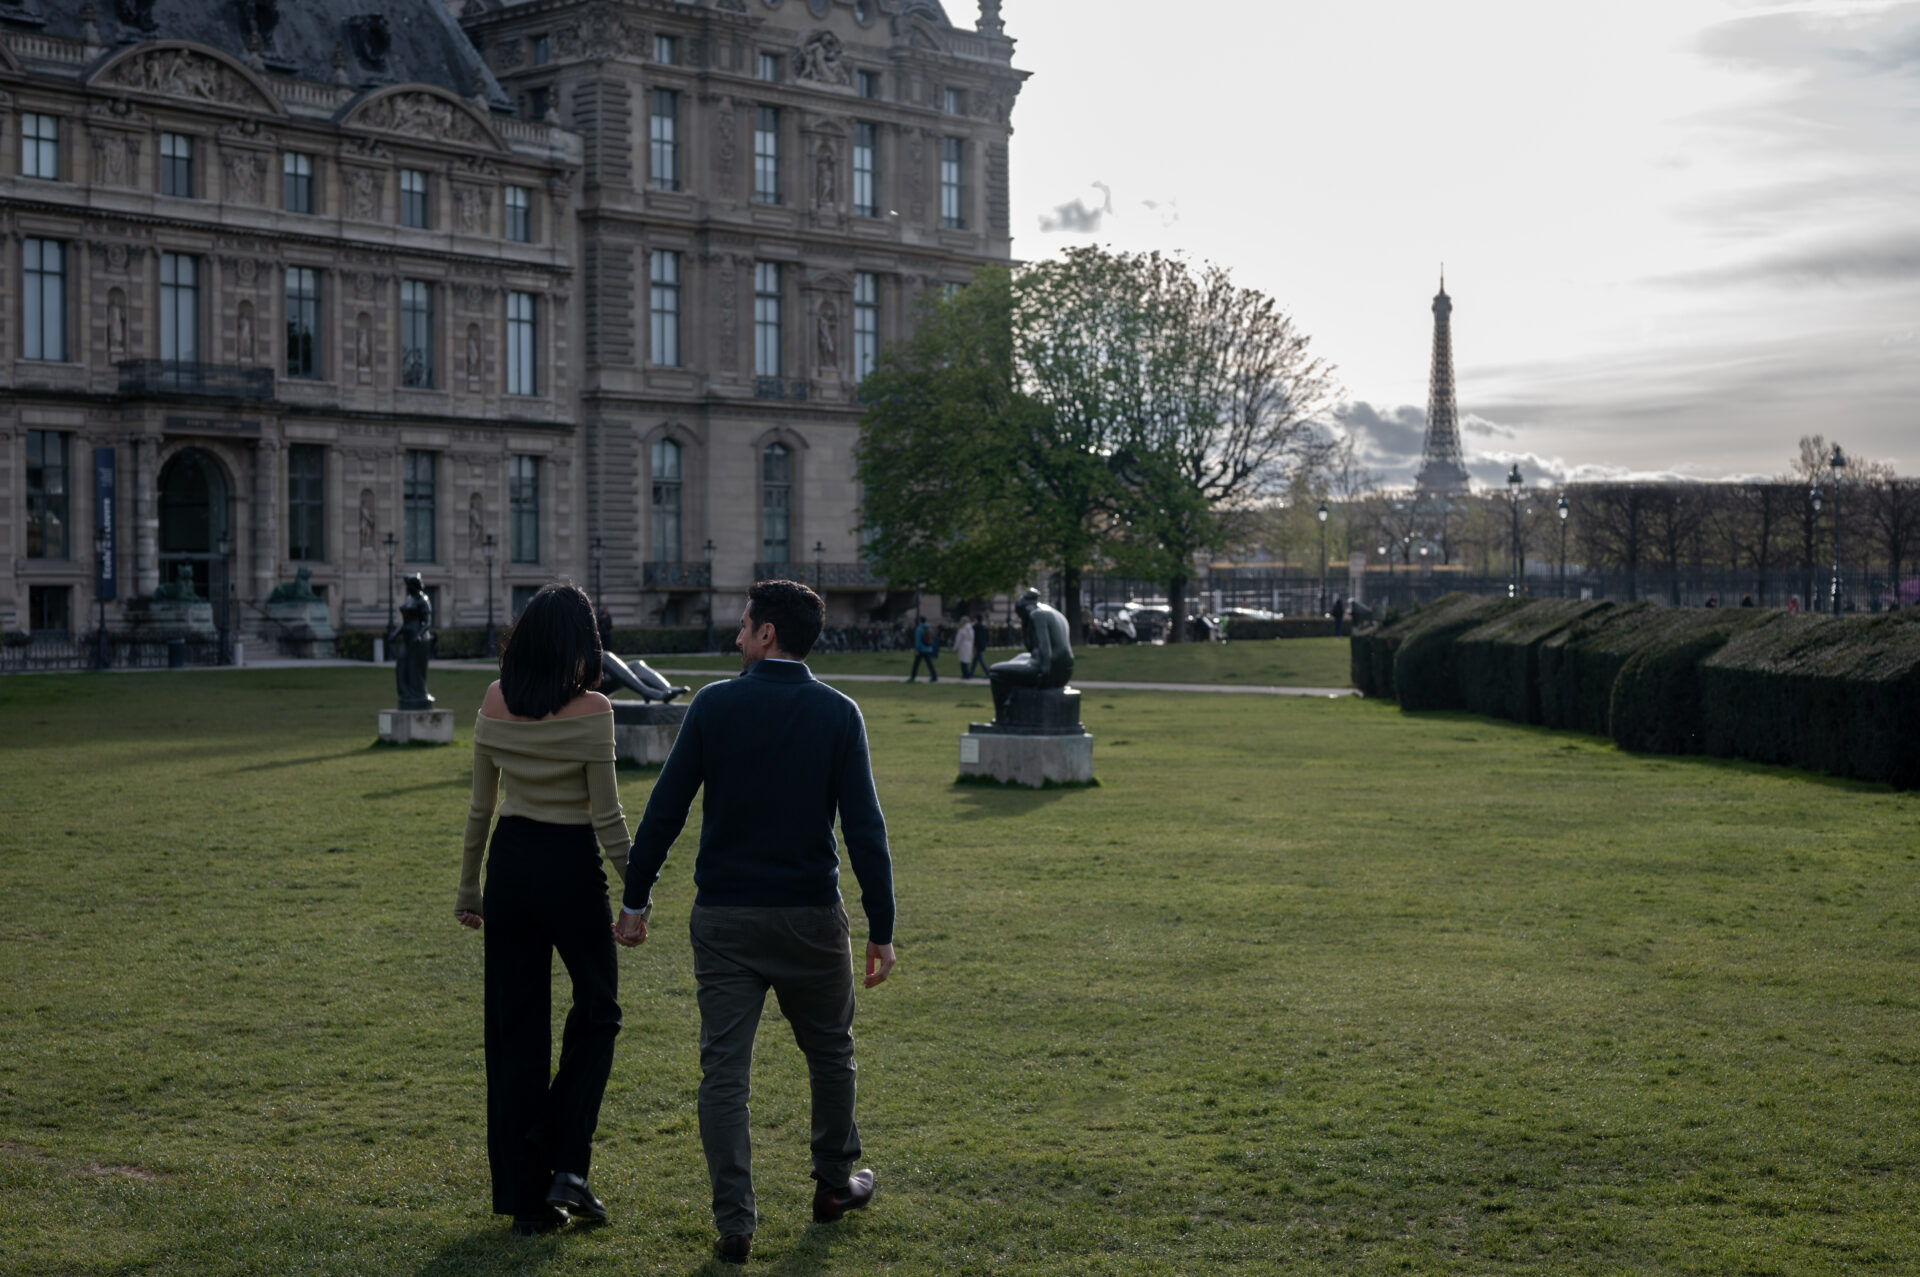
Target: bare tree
(1614,526)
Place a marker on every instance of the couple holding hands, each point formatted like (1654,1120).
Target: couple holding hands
(779,754)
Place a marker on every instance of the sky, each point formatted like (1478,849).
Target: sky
(1678,234)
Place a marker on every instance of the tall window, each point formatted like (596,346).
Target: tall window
(176,165)
(868,83)
(539,103)
(49,609)
(766,154)
(523,509)
(955,102)
(952,190)
(46,494)
(306,502)
(666,308)
(416,333)
(542,50)
(413,197)
(776,504)
(303,322)
(417,494)
(770,67)
(666,501)
(40,146)
(179,308)
(666,140)
(298,177)
(666,50)
(43,306)
(866,170)
(523,367)
(519,215)
(866,323)
(766,319)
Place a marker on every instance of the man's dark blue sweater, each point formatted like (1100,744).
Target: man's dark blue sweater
(779,753)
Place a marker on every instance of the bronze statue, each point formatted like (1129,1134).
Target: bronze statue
(1048,660)
(180,590)
(298,590)
(411,643)
(635,676)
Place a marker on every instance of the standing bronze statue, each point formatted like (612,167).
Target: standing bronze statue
(1047,662)
(411,643)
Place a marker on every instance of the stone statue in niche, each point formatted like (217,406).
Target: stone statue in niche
(473,358)
(116,326)
(367,526)
(363,347)
(827,333)
(476,529)
(243,333)
(363,193)
(825,180)
(823,60)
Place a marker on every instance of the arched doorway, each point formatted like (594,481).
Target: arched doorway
(193,519)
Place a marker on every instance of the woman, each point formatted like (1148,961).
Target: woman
(545,730)
(963,645)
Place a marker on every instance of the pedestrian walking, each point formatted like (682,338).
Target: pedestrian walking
(963,645)
(980,646)
(926,646)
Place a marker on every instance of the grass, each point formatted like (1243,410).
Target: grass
(1279,663)
(1303,986)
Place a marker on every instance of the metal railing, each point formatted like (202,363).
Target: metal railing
(676,576)
(822,576)
(67,651)
(176,377)
(780,388)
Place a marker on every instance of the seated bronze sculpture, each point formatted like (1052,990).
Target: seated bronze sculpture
(1048,660)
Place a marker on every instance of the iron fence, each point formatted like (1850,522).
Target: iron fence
(58,651)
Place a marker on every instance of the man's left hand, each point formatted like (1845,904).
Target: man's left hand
(630,929)
(879,962)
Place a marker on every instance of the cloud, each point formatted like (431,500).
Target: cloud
(1388,443)
(1077,217)
(1891,259)
(1474,424)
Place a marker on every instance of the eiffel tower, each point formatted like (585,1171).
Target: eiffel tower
(1441,471)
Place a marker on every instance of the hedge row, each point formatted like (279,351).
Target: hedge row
(1838,696)
(470,643)
(1287,627)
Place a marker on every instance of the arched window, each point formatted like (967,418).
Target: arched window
(666,501)
(776,504)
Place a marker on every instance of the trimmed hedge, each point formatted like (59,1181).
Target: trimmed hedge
(1371,651)
(1579,663)
(1424,673)
(1497,663)
(1840,696)
(1287,627)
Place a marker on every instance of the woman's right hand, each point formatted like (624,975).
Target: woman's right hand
(468,918)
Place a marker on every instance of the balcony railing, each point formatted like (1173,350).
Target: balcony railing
(822,576)
(780,388)
(676,576)
(176,377)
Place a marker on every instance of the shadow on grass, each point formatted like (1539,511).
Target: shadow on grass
(810,1256)
(494,1250)
(283,763)
(455,782)
(989,802)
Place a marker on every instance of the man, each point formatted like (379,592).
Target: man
(778,753)
(980,645)
(926,646)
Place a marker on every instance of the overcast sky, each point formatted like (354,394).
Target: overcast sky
(1679,234)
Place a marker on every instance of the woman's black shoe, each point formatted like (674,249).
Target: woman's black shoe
(534,1225)
(570,1193)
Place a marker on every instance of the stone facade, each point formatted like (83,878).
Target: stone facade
(521,135)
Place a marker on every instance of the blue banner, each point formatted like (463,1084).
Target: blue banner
(106,578)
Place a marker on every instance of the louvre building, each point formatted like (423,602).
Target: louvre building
(492,292)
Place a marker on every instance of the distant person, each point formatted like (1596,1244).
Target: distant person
(605,623)
(980,646)
(963,644)
(1746,600)
(549,736)
(926,646)
(1713,600)
(779,754)
(1793,603)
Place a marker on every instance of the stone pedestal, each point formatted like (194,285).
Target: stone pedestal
(1036,739)
(644,731)
(302,622)
(416,726)
(178,616)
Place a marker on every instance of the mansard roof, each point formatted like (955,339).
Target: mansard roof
(392,42)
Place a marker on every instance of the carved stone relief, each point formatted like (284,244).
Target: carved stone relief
(917,173)
(363,347)
(367,525)
(826,182)
(827,337)
(116,325)
(422,115)
(243,342)
(726,286)
(246,176)
(476,531)
(116,158)
(473,358)
(363,193)
(725,152)
(472,209)
(188,76)
(822,59)
(601,32)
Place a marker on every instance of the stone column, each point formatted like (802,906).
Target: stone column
(266,522)
(145,481)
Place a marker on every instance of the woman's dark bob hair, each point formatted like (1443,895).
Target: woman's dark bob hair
(552,653)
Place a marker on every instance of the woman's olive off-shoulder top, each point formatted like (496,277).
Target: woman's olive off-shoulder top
(557,770)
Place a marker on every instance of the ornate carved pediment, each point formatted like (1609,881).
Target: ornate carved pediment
(602,32)
(823,60)
(187,72)
(248,133)
(424,113)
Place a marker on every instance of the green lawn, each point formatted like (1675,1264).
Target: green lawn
(1281,663)
(1304,986)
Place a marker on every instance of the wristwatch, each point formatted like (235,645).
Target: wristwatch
(637,913)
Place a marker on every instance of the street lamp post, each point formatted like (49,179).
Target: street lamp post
(1838,464)
(1514,480)
(390,544)
(1815,499)
(101,656)
(820,566)
(599,551)
(1385,554)
(1322,516)
(709,550)
(486,547)
(224,548)
(1561,507)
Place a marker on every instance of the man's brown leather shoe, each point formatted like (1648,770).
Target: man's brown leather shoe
(830,1204)
(733,1249)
